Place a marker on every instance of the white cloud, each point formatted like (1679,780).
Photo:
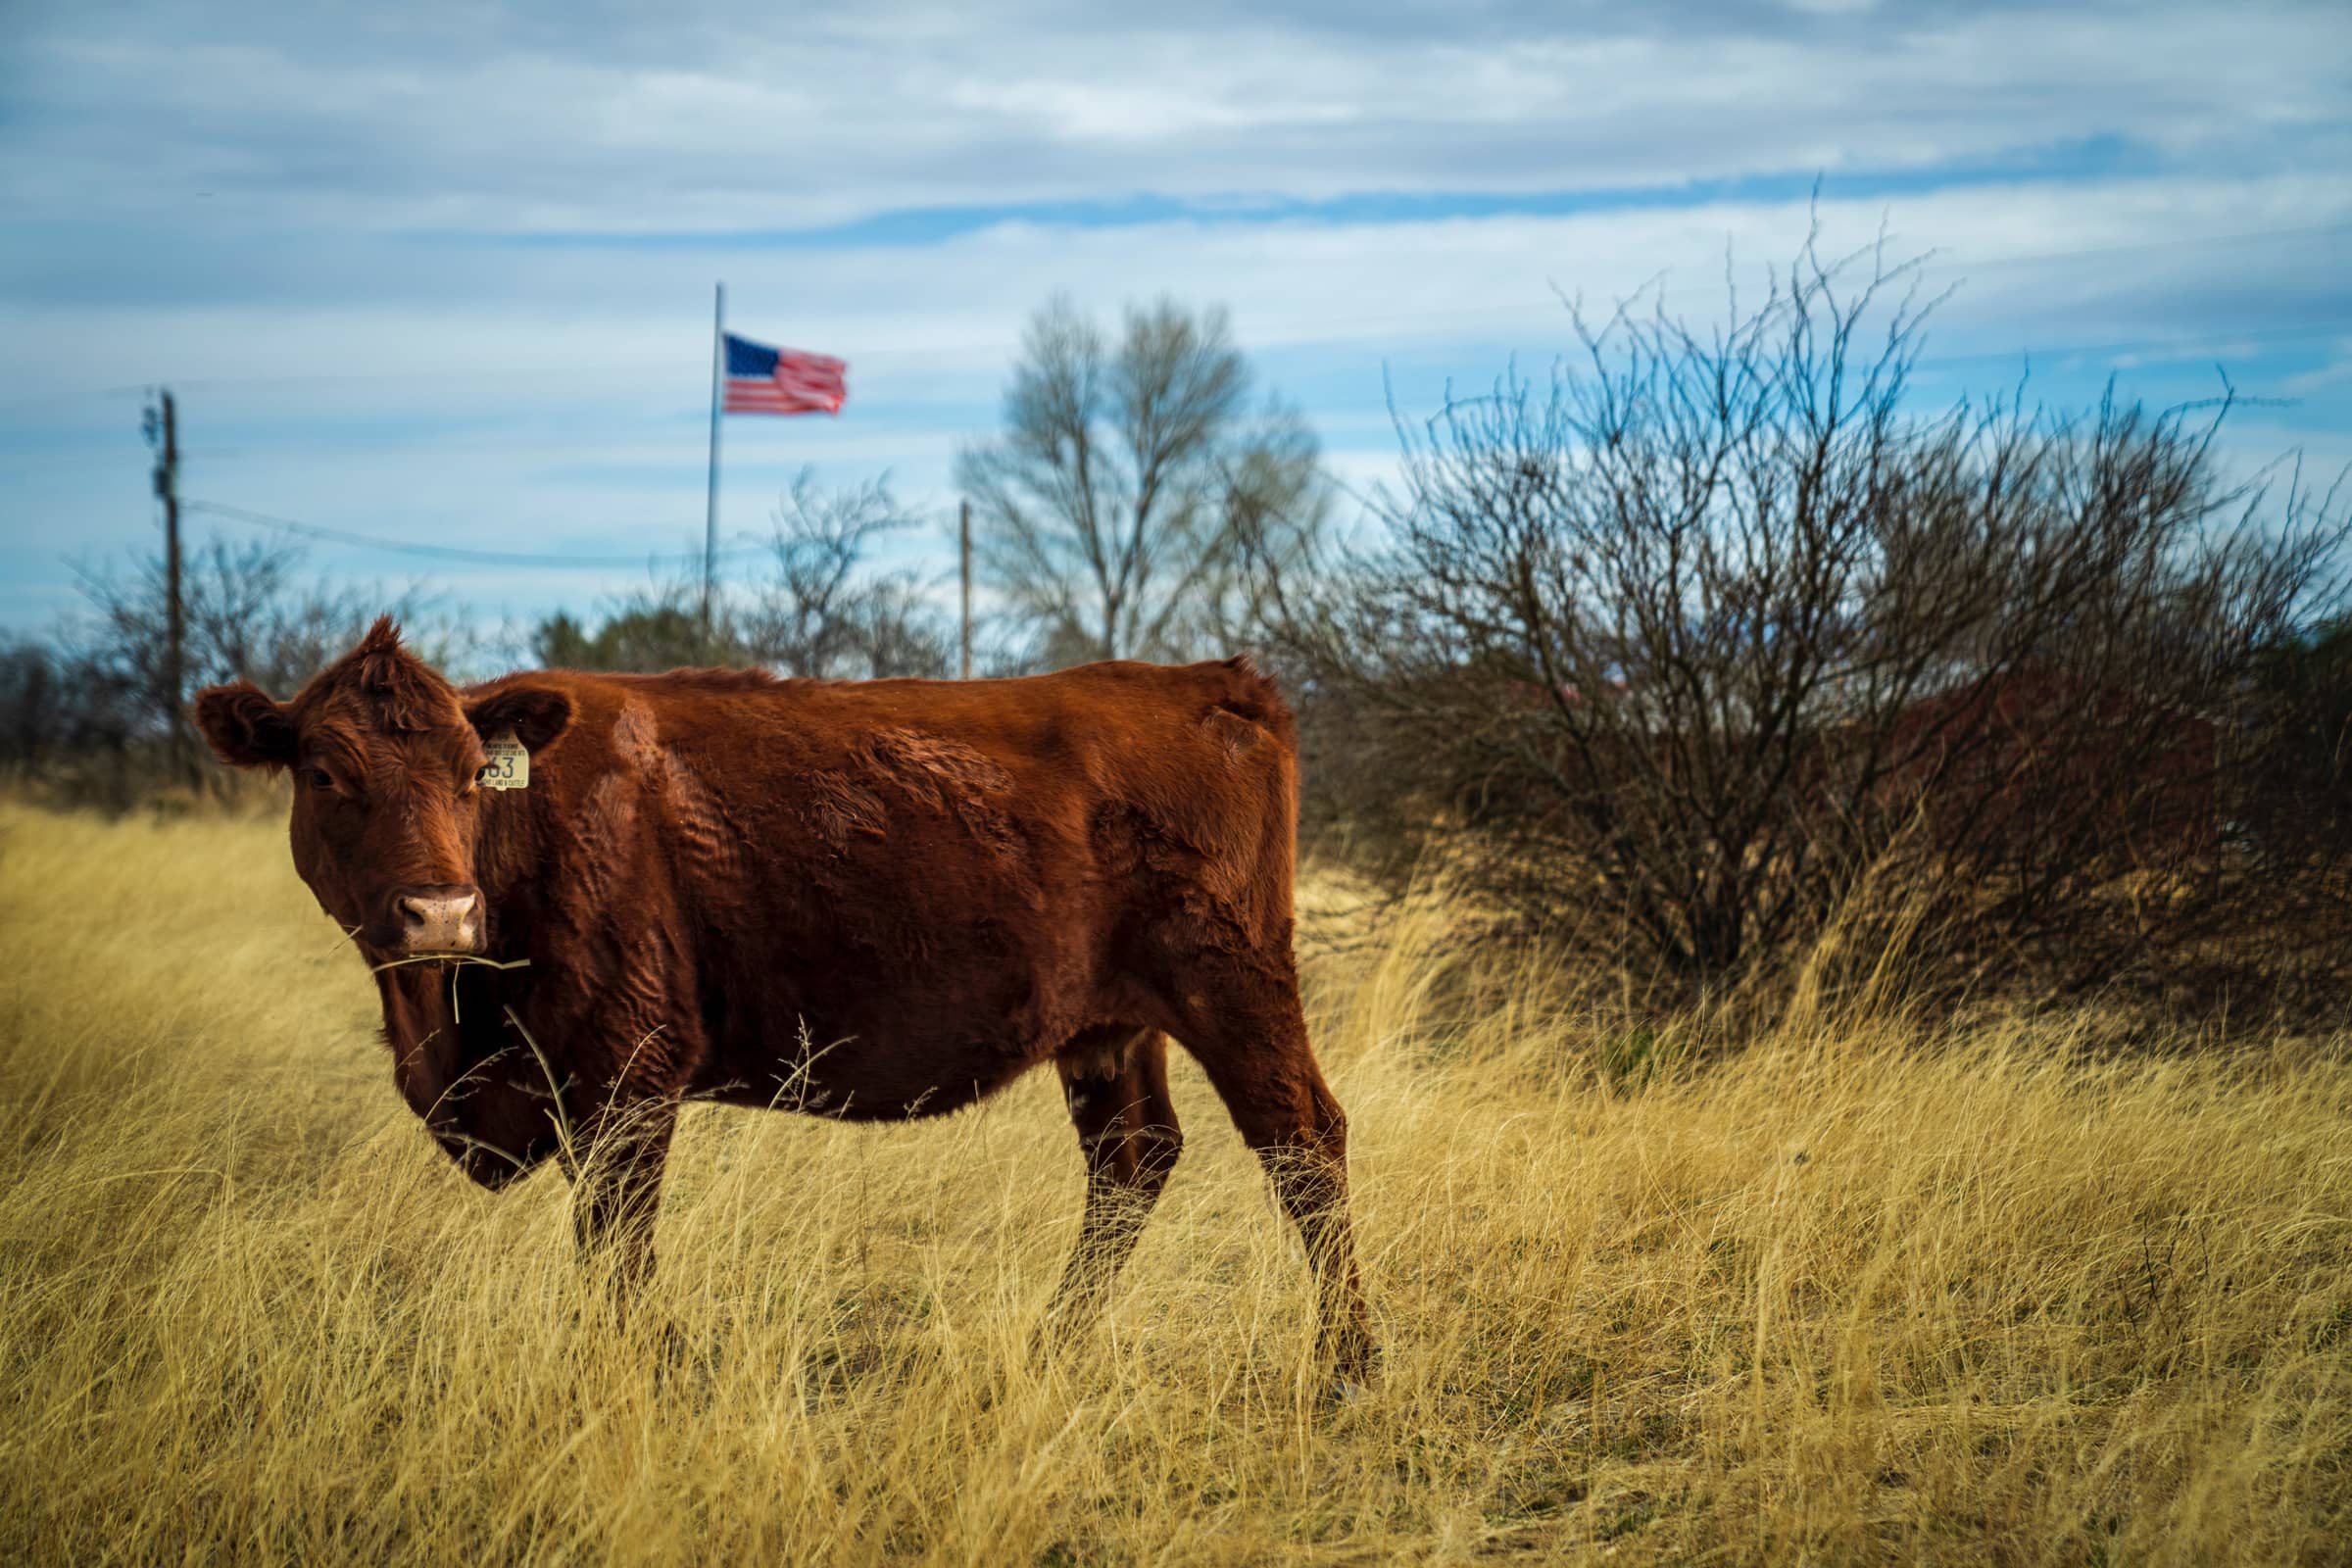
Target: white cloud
(524,118)
(2337,370)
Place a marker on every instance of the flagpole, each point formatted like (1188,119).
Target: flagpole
(718,366)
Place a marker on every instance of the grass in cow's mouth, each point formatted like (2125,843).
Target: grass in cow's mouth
(449,958)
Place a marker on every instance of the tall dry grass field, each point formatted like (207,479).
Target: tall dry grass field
(1846,1296)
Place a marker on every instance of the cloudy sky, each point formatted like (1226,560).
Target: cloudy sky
(442,272)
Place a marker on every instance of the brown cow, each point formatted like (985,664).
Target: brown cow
(941,884)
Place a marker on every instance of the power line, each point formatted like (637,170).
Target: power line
(75,393)
(438,551)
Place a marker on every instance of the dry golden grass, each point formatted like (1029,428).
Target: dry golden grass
(1841,1296)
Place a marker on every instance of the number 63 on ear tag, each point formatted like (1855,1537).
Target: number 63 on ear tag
(509,765)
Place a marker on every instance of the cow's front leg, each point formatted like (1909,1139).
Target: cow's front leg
(617,1190)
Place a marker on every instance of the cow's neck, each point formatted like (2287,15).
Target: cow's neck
(460,1006)
(461,1064)
(507,851)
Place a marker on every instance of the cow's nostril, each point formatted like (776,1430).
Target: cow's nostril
(411,912)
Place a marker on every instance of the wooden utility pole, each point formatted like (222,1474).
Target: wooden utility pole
(964,529)
(167,486)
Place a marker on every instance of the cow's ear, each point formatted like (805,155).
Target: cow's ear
(536,714)
(244,727)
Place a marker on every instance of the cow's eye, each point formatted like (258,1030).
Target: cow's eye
(318,778)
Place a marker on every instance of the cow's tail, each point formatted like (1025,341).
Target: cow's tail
(1252,696)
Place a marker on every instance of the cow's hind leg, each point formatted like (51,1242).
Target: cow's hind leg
(1250,1037)
(1116,1081)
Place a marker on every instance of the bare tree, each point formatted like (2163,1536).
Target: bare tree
(828,611)
(1679,652)
(822,608)
(1110,515)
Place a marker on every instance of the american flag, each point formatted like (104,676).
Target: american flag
(765,380)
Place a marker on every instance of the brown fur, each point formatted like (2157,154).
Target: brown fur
(937,885)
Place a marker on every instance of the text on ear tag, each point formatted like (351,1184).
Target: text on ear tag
(509,765)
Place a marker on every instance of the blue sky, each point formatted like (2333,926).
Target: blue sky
(443,271)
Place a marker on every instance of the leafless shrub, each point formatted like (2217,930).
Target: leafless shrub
(1670,657)
(90,716)
(2297,809)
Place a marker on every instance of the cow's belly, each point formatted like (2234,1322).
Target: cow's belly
(911,980)
(888,1049)
(860,1079)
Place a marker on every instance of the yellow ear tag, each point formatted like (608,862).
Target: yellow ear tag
(509,765)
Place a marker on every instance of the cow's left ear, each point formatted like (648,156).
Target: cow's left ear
(536,714)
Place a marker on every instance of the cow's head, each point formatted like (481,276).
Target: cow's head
(387,808)
(388,831)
